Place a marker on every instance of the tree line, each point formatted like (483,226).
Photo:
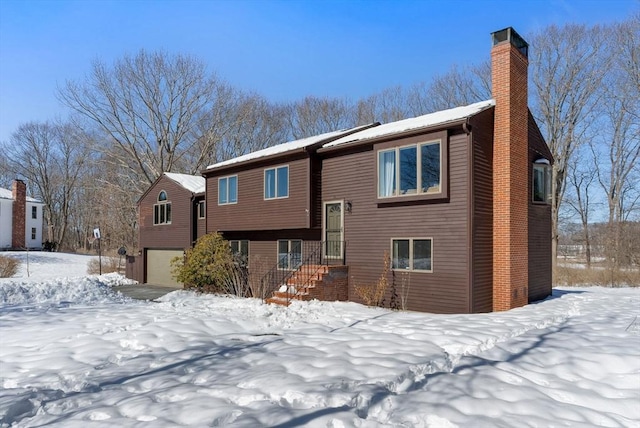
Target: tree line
(154,112)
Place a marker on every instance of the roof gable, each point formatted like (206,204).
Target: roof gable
(442,117)
(193,183)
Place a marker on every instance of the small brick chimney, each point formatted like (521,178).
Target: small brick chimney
(18,229)
(509,62)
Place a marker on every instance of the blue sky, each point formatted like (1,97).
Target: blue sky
(284,50)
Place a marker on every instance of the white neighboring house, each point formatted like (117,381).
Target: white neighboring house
(11,216)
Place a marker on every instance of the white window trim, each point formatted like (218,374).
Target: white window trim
(240,246)
(160,204)
(237,185)
(411,269)
(548,185)
(204,210)
(289,250)
(264,187)
(397,149)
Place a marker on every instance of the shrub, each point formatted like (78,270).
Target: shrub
(8,266)
(109,264)
(373,294)
(601,276)
(210,266)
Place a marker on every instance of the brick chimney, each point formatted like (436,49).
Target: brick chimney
(509,62)
(18,229)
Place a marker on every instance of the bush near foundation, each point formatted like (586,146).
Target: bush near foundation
(211,267)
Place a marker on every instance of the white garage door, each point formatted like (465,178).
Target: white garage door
(159,267)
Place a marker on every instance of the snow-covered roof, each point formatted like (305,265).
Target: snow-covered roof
(428,120)
(286,147)
(193,183)
(8,194)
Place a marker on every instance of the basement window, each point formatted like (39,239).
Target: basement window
(162,210)
(289,254)
(240,250)
(542,181)
(412,254)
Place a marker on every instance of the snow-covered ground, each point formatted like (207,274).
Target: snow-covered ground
(75,353)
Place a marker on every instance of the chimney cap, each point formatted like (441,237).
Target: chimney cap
(510,35)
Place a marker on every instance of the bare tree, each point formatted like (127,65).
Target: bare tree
(567,72)
(149,107)
(314,116)
(580,200)
(52,157)
(389,105)
(253,124)
(618,150)
(458,87)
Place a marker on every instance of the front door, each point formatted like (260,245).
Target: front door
(333,233)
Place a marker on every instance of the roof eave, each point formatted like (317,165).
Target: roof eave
(392,136)
(309,149)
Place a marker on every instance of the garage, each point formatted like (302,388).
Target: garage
(159,267)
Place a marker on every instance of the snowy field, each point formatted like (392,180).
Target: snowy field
(75,353)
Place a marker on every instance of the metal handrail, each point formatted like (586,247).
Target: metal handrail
(312,253)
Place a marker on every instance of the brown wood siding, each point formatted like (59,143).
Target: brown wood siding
(482,217)
(263,246)
(316,193)
(252,211)
(201,223)
(179,233)
(540,267)
(370,227)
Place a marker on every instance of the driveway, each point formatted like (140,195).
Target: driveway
(145,291)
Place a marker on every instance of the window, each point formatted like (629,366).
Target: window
(228,190)
(542,181)
(162,210)
(34,212)
(289,254)
(409,170)
(276,182)
(33,232)
(201,210)
(240,248)
(412,254)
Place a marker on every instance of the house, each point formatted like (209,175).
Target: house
(20,218)
(457,201)
(171,217)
